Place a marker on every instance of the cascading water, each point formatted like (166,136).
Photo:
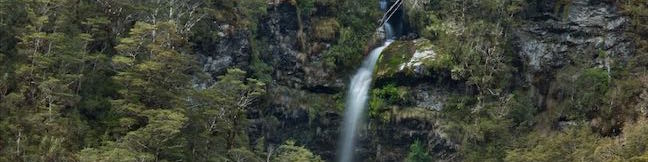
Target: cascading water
(357,98)
(357,101)
(389,31)
(383,5)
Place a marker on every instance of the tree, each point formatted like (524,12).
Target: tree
(153,73)
(48,63)
(161,137)
(288,152)
(219,114)
(112,152)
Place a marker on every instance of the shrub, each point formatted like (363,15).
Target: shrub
(417,153)
(582,93)
(346,53)
(630,146)
(357,26)
(288,152)
(575,144)
(385,96)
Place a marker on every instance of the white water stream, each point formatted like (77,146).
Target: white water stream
(356,101)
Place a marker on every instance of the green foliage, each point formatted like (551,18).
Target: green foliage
(486,131)
(160,137)
(262,71)
(417,153)
(152,74)
(357,26)
(521,110)
(112,81)
(457,107)
(326,29)
(305,6)
(578,143)
(47,62)
(219,116)
(288,152)
(595,83)
(250,11)
(377,105)
(486,139)
(575,144)
(242,154)
(585,94)
(112,153)
(472,46)
(630,146)
(637,10)
(382,98)
(98,81)
(346,52)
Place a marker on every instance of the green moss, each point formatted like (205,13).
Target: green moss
(326,29)
(440,61)
(393,57)
(384,97)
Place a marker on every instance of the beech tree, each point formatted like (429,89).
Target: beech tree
(219,114)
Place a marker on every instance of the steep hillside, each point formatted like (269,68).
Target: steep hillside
(267,80)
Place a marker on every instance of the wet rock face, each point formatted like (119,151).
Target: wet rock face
(294,66)
(582,28)
(423,54)
(232,50)
(430,97)
(278,47)
(387,142)
(281,30)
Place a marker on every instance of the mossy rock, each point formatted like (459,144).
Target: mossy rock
(393,57)
(326,29)
(409,58)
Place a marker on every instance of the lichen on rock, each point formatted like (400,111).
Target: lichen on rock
(410,58)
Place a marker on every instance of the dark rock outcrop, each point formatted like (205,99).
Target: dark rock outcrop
(295,66)
(232,50)
(583,28)
(554,35)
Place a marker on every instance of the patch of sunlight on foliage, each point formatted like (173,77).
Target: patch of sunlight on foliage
(575,144)
(288,152)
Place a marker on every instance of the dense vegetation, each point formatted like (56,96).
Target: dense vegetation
(120,81)
(112,81)
(496,119)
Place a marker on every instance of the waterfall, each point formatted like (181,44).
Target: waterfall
(383,5)
(389,31)
(356,101)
